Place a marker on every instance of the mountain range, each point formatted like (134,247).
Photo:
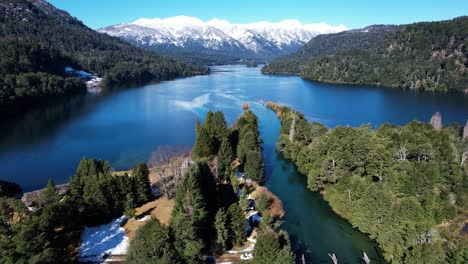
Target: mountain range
(192,37)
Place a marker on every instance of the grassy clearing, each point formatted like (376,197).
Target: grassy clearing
(160,208)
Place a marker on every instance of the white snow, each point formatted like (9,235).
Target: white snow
(94,84)
(101,241)
(214,34)
(146,217)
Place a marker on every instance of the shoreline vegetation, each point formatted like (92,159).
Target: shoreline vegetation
(170,206)
(426,56)
(222,189)
(39,44)
(404,186)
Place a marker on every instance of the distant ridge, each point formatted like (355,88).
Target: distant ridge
(189,35)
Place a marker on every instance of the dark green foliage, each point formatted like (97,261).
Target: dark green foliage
(225,158)
(49,195)
(263,202)
(217,128)
(398,184)
(222,230)
(193,213)
(203,146)
(226,195)
(9,189)
(210,135)
(101,196)
(249,149)
(142,183)
(254,167)
(152,244)
(328,44)
(30,70)
(272,248)
(237,224)
(129,207)
(45,234)
(425,56)
(38,41)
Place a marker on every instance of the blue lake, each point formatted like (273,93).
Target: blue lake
(126,126)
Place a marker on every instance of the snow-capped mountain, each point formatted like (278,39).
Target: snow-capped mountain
(260,40)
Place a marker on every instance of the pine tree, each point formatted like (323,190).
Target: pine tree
(237,224)
(270,248)
(189,218)
(152,244)
(203,146)
(142,183)
(254,167)
(247,142)
(219,128)
(225,158)
(222,231)
(187,242)
(49,196)
(216,127)
(209,124)
(243,203)
(129,206)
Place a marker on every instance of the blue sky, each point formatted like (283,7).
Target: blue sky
(351,13)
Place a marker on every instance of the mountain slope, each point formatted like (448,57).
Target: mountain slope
(426,56)
(44,40)
(194,37)
(329,44)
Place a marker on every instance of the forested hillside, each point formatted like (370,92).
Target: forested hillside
(406,186)
(37,41)
(429,56)
(328,44)
(211,203)
(210,213)
(49,232)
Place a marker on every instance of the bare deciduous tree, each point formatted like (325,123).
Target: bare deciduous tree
(333,257)
(365,258)
(402,153)
(165,153)
(167,159)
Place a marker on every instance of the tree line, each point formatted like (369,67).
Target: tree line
(208,216)
(405,186)
(37,42)
(424,56)
(46,232)
(207,219)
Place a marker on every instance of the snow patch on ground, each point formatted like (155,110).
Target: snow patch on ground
(104,240)
(146,217)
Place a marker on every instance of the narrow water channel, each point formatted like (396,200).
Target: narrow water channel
(312,225)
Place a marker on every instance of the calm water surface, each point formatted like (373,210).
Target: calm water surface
(126,126)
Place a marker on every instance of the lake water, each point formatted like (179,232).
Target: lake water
(126,126)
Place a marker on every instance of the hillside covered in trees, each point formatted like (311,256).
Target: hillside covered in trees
(37,42)
(428,56)
(405,186)
(211,195)
(49,232)
(210,213)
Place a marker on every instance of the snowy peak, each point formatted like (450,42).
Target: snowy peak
(260,39)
